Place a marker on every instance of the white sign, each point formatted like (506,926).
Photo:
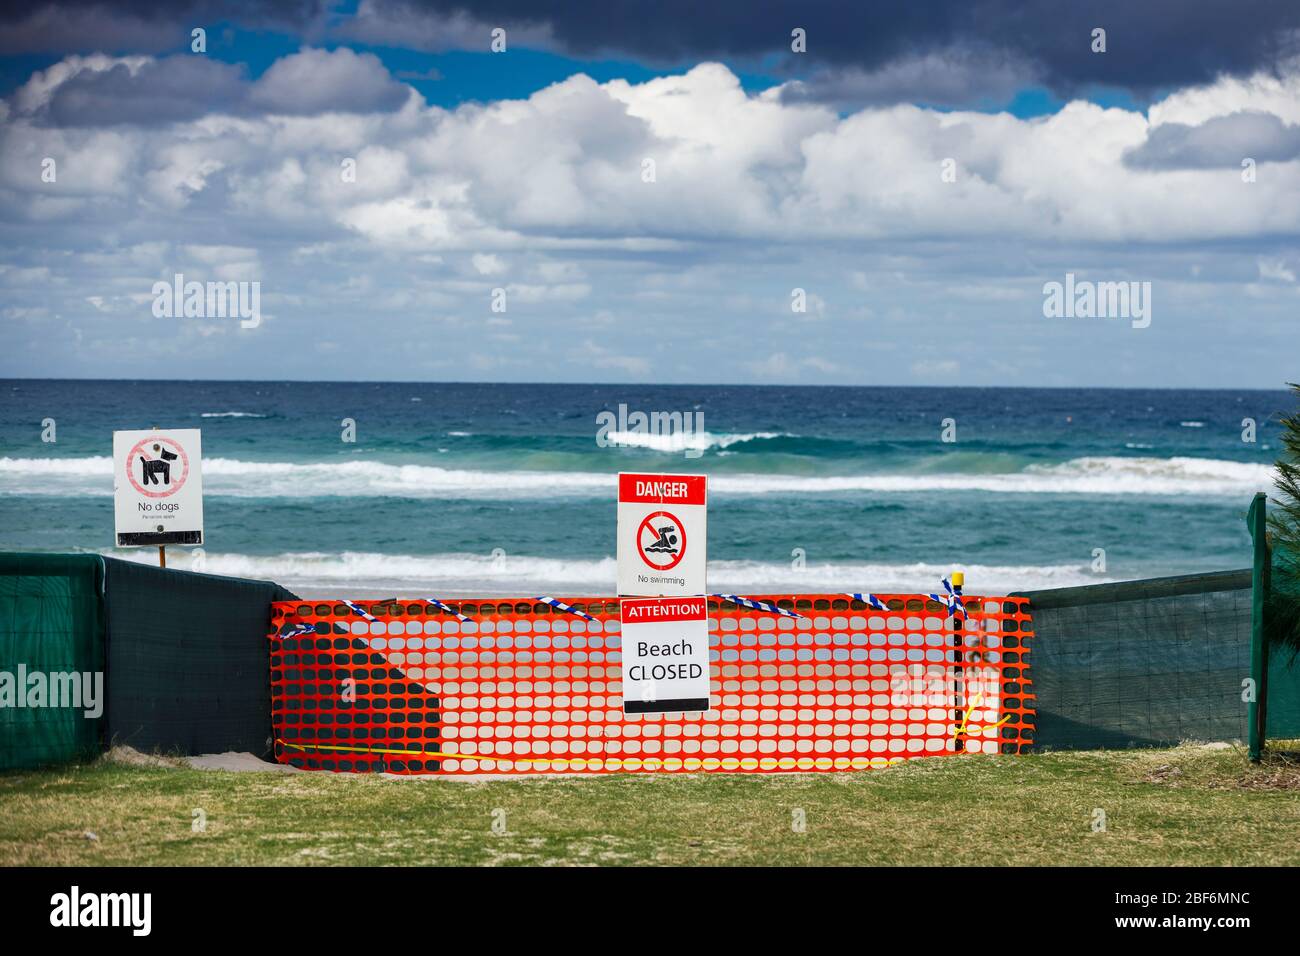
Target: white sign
(662,532)
(665,650)
(158,487)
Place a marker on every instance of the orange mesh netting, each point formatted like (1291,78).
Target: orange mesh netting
(525,688)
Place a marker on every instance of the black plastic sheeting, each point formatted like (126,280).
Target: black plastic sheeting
(1142,663)
(187,660)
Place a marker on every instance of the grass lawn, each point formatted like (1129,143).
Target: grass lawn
(1185,806)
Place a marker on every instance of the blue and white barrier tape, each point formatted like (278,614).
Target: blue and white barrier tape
(870,600)
(757,605)
(561,606)
(456,614)
(952,600)
(363,612)
(300,630)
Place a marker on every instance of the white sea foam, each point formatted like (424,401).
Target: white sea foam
(231,415)
(438,575)
(249,479)
(681,441)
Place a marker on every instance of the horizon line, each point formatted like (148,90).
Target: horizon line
(1285,387)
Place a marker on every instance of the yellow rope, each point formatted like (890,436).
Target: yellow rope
(440,755)
(960,729)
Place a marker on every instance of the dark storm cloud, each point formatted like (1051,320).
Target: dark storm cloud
(1221,141)
(138,26)
(1151,45)
(868,52)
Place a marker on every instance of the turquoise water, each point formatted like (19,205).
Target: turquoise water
(480,488)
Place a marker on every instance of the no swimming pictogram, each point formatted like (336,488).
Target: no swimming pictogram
(661,540)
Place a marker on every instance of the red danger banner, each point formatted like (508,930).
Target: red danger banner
(662,489)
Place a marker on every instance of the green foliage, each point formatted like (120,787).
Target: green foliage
(1284,536)
(1282,614)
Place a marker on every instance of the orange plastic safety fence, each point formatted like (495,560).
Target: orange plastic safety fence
(525,688)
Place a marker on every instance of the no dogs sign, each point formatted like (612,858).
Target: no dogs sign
(661,534)
(665,650)
(158,487)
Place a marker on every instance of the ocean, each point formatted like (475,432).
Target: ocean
(462,489)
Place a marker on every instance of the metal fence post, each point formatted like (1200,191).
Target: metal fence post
(1256,707)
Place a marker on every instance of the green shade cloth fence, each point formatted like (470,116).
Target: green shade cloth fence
(181,657)
(51,622)
(1275,668)
(1142,663)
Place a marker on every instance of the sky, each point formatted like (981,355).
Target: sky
(785,193)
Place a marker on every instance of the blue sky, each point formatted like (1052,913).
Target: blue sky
(679,198)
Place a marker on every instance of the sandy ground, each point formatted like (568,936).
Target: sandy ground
(226,761)
(244,762)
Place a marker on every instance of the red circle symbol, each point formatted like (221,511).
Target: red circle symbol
(662,540)
(157,463)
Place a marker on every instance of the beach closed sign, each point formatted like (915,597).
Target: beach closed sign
(158,487)
(665,650)
(662,533)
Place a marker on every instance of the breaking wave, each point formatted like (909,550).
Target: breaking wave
(231,477)
(345,574)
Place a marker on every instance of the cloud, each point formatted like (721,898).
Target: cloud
(487,265)
(322,81)
(34,95)
(601,357)
(75,28)
(755,194)
(413,26)
(1151,46)
(936,369)
(1276,269)
(1222,141)
(953,77)
(954,52)
(140,26)
(142,91)
(561,169)
(780,365)
(149,93)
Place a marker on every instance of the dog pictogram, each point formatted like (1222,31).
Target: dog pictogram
(150,470)
(157,466)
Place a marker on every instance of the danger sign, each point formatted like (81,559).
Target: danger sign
(158,487)
(661,534)
(665,650)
